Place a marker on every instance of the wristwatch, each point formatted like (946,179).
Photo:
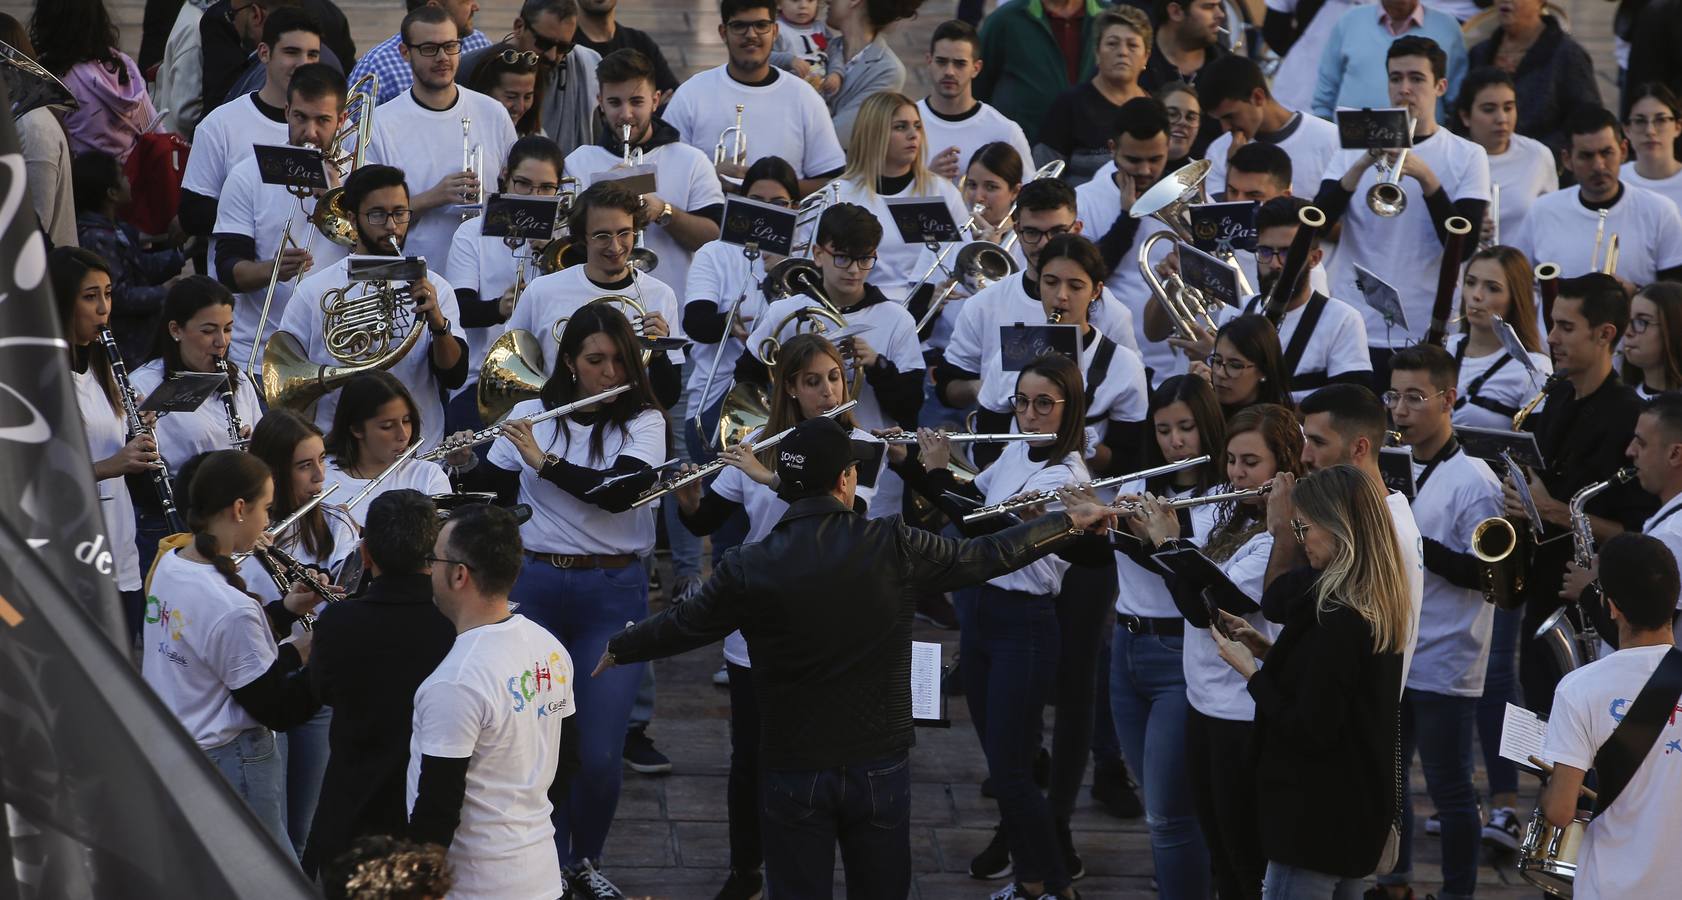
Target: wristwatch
(665,216)
(439,331)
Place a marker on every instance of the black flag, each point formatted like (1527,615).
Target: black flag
(105,795)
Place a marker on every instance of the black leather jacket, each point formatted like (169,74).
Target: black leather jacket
(825,602)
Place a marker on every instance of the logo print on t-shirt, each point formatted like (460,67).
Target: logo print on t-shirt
(530,688)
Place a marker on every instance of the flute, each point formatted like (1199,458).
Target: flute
(1027,500)
(965,437)
(1128,507)
(486,435)
(662,488)
(279,528)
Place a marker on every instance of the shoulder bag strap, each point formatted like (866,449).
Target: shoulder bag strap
(1618,759)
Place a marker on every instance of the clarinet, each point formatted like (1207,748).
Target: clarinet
(236,428)
(137,426)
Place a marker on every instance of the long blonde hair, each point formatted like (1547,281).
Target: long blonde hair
(868,148)
(1365,574)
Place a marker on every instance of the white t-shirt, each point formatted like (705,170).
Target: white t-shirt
(1526,171)
(259,211)
(1014,472)
(684,177)
(346,539)
(427,145)
(203,641)
(184,435)
(1337,346)
(303,319)
(562,523)
(224,139)
(1625,851)
(1665,187)
(418,475)
(983,125)
(721,274)
(556,296)
(107,432)
(1143,591)
(497,700)
(1453,645)
(974,344)
(486,265)
(1309,141)
(1560,229)
(1510,386)
(1413,560)
(1098,205)
(892,333)
(1399,249)
(785,118)
(896,260)
(1666,525)
(1122,396)
(1212,686)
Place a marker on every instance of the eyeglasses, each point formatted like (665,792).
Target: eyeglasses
(448,561)
(399,216)
(1412,399)
(431,48)
(519,57)
(1269,254)
(1300,529)
(847,261)
(1231,368)
(1176,117)
(1640,324)
(757,26)
(232,12)
(1659,122)
(1041,404)
(523,185)
(1035,235)
(604,238)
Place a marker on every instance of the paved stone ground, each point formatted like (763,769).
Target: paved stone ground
(669,840)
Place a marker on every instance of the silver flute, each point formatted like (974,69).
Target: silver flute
(486,435)
(370,486)
(279,528)
(1027,500)
(662,488)
(965,437)
(1129,507)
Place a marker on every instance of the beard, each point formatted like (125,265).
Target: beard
(376,245)
(1268,280)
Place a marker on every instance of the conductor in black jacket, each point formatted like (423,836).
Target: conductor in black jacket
(1327,733)
(825,602)
(370,654)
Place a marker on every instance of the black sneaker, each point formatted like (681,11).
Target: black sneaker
(1012,891)
(937,610)
(640,755)
(1071,860)
(993,862)
(590,884)
(1042,775)
(1503,829)
(1114,790)
(742,885)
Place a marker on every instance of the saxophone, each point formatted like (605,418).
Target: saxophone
(1572,647)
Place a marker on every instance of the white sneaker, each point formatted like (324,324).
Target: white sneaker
(1434,826)
(1504,829)
(722,676)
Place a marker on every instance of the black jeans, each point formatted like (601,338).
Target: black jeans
(747,852)
(1085,602)
(1223,787)
(866,807)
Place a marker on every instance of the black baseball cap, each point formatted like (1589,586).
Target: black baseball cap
(811,459)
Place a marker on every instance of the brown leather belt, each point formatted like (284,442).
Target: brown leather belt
(587,560)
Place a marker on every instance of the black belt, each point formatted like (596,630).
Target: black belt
(1171,627)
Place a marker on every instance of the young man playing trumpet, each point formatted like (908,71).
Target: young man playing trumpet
(379,199)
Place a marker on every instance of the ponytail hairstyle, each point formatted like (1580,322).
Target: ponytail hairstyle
(1198,396)
(184,300)
(215,480)
(67,268)
(793,356)
(1071,426)
(274,441)
(562,386)
(1280,430)
(1365,573)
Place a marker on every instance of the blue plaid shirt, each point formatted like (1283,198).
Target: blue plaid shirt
(387,63)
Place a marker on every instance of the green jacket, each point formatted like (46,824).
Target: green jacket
(1022,66)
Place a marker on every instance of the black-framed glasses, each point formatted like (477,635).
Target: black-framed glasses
(447,561)
(519,57)
(1035,235)
(847,260)
(740,28)
(1043,404)
(1640,324)
(431,48)
(1660,121)
(1269,254)
(400,216)
(1411,399)
(1232,368)
(524,185)
(232,12)
(1300,529)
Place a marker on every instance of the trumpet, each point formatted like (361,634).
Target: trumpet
(1386,197)
(631,157)
(969,437)
(486,435)
(1027,500)
(666,486)
(735,139)
(1130,508)
(472,160)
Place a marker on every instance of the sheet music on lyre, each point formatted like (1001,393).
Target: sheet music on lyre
(925,682)
(1522,735)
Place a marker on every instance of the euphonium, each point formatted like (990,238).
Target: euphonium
(1169,202)
(1386,197)
(791,275)
(1184,304)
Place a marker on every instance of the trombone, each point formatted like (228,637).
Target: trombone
(979,265)
(811,209)
(735,139)
(331,217)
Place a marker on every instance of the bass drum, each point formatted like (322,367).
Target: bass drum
(1548,856)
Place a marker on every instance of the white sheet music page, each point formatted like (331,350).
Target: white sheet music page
(925,680)
(1522,734)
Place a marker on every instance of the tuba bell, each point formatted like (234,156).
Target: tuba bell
(31,87)
(790,276)
(513,371)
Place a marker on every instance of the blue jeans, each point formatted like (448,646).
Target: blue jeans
(251,763)
(1500,686)
(1009,644)
(583,608)
(304,749)
(1441,727)
(866,807)
(1148,700)
(1295,883)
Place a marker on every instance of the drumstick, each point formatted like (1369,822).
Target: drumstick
(1548,769)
